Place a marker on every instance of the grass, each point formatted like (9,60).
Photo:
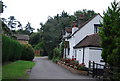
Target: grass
(16,69)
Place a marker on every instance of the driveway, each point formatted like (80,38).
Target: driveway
(46,69)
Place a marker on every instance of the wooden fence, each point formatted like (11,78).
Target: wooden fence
(102,71)
(95,69)
(37,52)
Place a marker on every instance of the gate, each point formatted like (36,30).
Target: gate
(95,69)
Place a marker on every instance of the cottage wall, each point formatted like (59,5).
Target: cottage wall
(87,29)
(95,54)
(90,54)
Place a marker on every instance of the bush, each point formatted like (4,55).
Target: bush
(55,59)
(56,55)
(28,53)
(11,49)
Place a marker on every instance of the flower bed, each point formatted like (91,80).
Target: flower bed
(73,65)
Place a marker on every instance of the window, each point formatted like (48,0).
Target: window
(96,28)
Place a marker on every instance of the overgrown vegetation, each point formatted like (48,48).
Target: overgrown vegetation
(110,40)
(16,69)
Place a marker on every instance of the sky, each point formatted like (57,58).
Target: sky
(36,11)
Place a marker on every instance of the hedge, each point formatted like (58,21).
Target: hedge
(12,50)
(28,53)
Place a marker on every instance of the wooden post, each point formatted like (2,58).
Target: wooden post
(89,64)
(89,67)
(93,69)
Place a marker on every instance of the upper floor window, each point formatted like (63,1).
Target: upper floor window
(96,28)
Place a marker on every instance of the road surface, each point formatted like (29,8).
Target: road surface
(46,69)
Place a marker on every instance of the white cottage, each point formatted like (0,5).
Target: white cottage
(82,42)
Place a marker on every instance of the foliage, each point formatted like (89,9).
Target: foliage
(10,45)
(16,69)
(86,13)
(5,29)
(40,46)
(52,31)
(12,50)
(11,22)
(28,53)
(28,28)
(56,54)
(110,36)
(35,38)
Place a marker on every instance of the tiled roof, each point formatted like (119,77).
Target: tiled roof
(21,37)
(90,40)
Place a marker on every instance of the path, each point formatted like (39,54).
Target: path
(46,69)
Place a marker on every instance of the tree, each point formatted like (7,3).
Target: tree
(35,38)
(11,22)
(87,14)
(19,25)
(110,38)
(28,28)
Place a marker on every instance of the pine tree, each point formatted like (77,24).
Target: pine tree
(110,38)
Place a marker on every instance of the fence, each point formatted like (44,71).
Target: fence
(103,71)
(37,52)
(95,69)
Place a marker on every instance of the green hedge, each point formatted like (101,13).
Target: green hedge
(28,53)
(12,50)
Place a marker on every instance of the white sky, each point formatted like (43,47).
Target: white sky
(36,11)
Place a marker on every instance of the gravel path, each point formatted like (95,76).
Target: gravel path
(46,69)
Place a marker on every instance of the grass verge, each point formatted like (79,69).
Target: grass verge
(16,69)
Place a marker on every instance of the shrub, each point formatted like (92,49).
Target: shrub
(5,48)
(56,55)
(55,59)
(28,53)
(11,49)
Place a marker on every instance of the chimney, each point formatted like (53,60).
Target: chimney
(80,20)
(74,28)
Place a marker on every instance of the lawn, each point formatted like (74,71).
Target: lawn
(16,69)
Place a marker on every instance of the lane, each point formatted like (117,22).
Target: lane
(46,69)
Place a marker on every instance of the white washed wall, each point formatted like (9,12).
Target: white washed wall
(86,56)
(87,29)
(95,54)
(89,55)
(79,55)
(72,43)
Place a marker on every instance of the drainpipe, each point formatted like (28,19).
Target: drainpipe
(65,53)
(83,54)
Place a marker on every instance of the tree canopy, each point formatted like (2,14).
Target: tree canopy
(110,37)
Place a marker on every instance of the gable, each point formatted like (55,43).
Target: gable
(85,23)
